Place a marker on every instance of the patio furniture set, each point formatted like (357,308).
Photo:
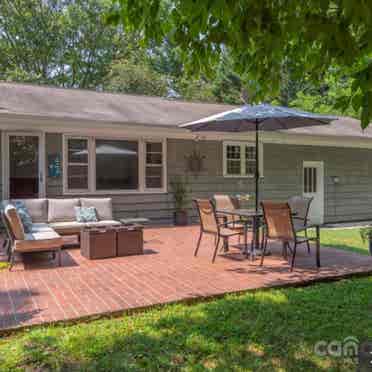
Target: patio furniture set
(223,218)
(37,225)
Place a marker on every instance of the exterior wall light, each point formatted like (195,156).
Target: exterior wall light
(335,179)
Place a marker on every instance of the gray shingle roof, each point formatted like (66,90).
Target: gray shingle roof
(342,127)
(90,105)
(28,99)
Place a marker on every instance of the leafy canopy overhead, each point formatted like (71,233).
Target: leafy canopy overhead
(262,36)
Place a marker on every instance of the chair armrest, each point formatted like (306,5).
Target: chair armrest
(221,217)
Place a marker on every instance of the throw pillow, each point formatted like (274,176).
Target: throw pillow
(86,214)
(24,215)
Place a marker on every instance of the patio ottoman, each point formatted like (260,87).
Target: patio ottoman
(97,243)
(129,240)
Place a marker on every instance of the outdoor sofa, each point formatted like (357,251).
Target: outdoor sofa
(52,218)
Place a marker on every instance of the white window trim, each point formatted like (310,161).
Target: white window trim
(65,164)
(92,166)
(242,158)
(163,165)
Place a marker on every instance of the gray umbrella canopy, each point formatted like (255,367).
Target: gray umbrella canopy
(263,117)
(269,117)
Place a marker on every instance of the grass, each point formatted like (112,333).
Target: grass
(265,330)
(4,266)
(346,239)
(272,330)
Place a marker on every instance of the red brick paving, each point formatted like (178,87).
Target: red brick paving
(37,291)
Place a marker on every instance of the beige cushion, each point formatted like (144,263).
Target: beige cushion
(39,241)
(37,208)
(103,207)
(74,227)
(103,223)
(61,210)
(41,227)
(14,222)
(66,228)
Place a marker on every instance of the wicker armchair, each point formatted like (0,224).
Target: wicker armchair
(279,226)
(209,224)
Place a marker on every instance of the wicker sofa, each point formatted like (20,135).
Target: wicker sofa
(52,218)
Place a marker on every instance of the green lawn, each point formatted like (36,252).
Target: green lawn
(266,330)
(4,265)
(348,239)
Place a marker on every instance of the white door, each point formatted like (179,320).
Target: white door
(313,186)
(23,165)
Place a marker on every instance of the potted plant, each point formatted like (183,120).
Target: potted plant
(180,191)
(366,235)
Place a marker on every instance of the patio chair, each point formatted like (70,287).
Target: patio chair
(300,207)
(209,225)
(7,243)
(230,221)
(279,226)
(40,239)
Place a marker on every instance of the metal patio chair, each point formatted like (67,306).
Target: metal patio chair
(279,226)
(300,207)
(230,221)
(209,225)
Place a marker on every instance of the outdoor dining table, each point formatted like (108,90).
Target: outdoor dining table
(255,217)
(247,215)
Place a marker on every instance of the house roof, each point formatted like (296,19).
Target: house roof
(80,104)
(55,102)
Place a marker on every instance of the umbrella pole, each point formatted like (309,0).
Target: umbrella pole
(257,175)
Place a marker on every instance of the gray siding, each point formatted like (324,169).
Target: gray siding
(351,199)
(1,166)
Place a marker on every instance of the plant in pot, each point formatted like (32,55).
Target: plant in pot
(366,235)
(180,191)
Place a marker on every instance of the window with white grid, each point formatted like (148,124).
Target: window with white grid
(239,159)
(154,165)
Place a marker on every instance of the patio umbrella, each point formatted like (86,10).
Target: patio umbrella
(262,117)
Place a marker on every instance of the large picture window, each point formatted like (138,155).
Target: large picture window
(116,165)
(99,165)
(239,159)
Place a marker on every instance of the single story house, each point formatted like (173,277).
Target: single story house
(64,142)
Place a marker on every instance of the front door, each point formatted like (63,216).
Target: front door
(313,186)
(23,166)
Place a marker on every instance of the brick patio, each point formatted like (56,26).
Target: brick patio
(36,291)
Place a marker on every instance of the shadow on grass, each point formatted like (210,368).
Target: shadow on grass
(345,239)
(348,247)
(273,330)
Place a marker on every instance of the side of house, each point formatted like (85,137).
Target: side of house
(343,180)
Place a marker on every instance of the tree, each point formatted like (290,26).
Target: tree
(262,35)
(328,96)
(60,42)
(29,36)
(136,78)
